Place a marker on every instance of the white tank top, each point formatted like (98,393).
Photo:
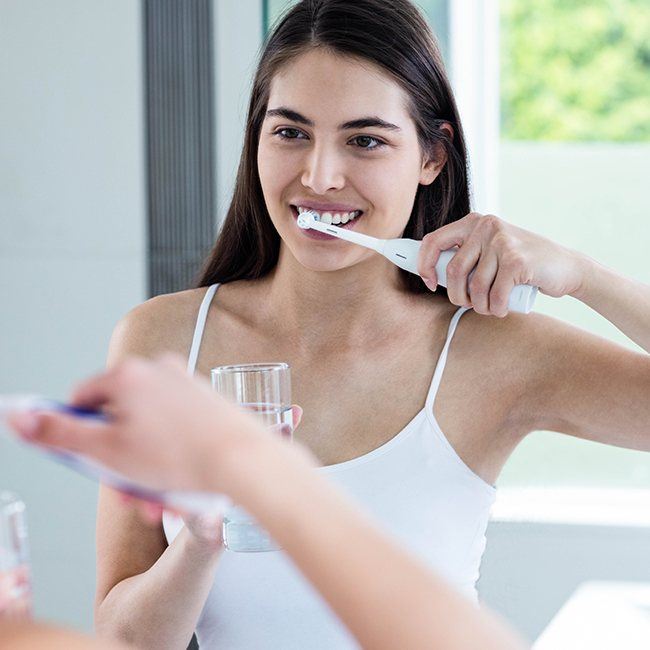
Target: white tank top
(415,486)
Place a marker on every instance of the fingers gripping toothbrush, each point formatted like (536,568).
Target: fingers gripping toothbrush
(404,253)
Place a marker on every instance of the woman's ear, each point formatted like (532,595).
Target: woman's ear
(436,160)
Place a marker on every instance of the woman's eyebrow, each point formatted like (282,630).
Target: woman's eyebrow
(361,123)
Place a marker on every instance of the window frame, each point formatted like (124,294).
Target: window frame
(474,71)
(235,55)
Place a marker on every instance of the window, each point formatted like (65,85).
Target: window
(573,165)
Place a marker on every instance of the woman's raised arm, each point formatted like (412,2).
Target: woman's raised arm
(577,383)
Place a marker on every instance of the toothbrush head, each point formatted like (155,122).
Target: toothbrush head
(306,219)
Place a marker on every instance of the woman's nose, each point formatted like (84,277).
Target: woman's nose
(323,171)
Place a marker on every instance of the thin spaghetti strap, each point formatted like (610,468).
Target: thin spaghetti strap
(442,360)
(200,326)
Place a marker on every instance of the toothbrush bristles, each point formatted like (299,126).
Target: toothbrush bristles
(306,219)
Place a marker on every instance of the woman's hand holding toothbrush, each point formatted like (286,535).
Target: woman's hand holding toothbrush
(493,256)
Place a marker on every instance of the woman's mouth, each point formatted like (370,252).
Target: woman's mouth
(342,219)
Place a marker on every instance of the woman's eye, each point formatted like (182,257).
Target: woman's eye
(288,134)
(367,142)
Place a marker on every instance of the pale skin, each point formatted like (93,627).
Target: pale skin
(352,333)
(27,635)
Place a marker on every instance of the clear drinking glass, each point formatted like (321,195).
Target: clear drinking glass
(265,390)
(15,580)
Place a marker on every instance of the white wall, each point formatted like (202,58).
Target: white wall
(72,246)
(235,56)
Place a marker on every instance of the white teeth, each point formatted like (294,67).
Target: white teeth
(331,218)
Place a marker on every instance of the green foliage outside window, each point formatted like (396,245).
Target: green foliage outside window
(576,70)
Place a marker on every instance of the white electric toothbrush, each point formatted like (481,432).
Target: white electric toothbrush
(404,253)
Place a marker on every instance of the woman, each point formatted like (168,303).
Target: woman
(385,597)
(351,114)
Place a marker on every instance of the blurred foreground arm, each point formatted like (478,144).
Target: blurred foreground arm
(385,597)
(28,635)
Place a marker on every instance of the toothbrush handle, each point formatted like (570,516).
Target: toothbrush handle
(404,253)
(522,297)
(349,235)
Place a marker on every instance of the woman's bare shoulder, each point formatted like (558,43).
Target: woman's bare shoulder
(522,348)
(511,335)
(518,331)
(164,323)
(501,365)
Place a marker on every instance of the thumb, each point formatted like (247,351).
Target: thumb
(296,412)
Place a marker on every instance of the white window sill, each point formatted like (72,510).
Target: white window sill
(601,616)
(573,506)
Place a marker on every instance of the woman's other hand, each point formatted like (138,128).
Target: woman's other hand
(205,529)
(498,256)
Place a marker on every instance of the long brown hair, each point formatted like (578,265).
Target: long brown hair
(391,34)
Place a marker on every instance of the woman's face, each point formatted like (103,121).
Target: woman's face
(337,137)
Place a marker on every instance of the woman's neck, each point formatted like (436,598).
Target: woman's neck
(315,306)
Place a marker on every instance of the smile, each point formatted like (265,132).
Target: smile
(339,218)
(342,219)
(330,217)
